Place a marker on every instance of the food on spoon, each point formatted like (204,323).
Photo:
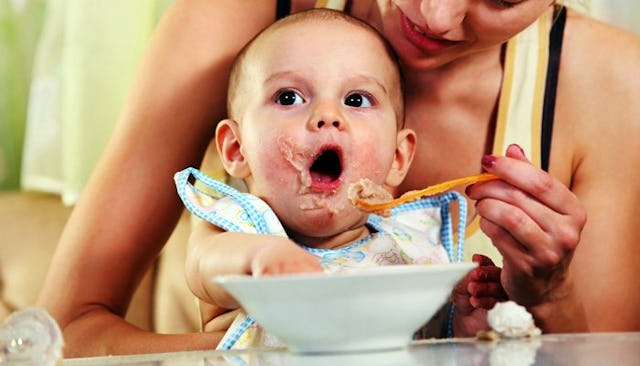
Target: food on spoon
(368,191)
(381,207)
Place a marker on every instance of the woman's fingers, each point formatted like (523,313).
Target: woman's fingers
(537,211)
(535,222)
(543,215)
(508,225)
(535,182)
(514,151)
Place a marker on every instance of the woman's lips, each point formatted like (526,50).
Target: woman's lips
(423,41)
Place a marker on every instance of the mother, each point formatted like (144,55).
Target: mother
(469,95)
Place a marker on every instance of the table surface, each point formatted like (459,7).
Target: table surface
(552,349)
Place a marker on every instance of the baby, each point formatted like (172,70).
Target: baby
(315,104)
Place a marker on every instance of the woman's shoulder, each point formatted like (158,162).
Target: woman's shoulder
(594,43)
(599,60)
(598,88)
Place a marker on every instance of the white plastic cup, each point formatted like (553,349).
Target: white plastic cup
(30,337)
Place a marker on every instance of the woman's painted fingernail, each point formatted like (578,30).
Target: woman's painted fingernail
(519,148)
(488,161)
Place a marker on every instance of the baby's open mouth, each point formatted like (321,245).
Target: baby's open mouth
(326,169)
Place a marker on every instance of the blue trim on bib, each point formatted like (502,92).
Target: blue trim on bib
(251,204)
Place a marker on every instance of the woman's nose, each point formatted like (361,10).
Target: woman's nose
(442,16)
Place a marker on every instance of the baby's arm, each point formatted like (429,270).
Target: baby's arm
(475,295)
(212,252)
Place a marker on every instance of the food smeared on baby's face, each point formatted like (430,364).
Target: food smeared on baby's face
(370,192)
(297,156)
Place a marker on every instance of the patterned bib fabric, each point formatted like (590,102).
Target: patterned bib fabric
(418,232)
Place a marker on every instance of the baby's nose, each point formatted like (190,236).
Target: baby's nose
(322,124)
(327,114)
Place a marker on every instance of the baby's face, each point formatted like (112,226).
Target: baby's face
(317,114)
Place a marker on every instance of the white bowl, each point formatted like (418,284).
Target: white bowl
(370,309)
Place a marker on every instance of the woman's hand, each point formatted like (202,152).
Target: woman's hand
(535,222)
(474,295)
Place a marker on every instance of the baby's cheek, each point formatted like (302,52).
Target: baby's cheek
(268,161)
(275,167)
(371,166)
(373,158)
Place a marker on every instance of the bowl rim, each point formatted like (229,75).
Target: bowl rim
(372,271)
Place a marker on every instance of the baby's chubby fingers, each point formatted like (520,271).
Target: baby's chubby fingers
(486,303)
(460,296)
(486,271)
(480,293)
(484,288)
(283,257)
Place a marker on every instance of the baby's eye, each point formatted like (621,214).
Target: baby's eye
(289,97)
(357,100)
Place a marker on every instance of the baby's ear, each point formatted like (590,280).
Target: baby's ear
(230,149)
(405,150)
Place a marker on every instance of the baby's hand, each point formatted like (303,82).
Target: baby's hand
(474,295)
(280,255)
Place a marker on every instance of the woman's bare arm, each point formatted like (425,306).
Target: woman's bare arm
(576,274)
(602,91)
(130,206)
